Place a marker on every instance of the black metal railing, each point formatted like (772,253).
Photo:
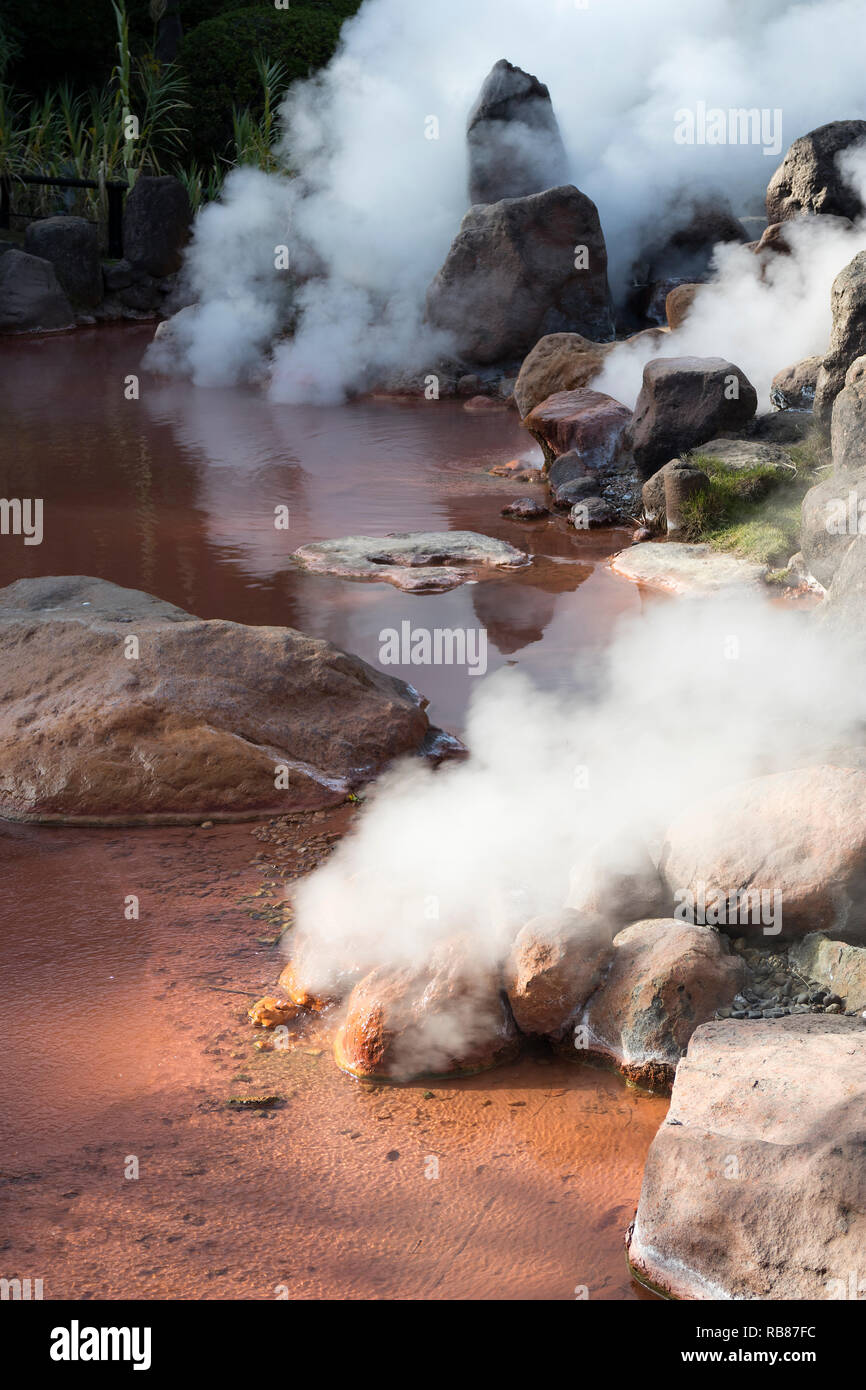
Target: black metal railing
(114,188)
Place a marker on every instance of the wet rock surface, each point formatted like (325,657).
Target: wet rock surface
(586,422)
(526,509)
(755,1185)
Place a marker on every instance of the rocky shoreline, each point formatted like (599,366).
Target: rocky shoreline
(727,966)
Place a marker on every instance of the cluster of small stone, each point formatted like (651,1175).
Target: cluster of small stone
(775,990)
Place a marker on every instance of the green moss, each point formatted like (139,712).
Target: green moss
(753,512)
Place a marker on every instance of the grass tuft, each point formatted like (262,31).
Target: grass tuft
(753,512)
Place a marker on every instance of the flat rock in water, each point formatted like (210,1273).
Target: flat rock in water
(689,570)
(755,1185)
(418,562)
(120,708)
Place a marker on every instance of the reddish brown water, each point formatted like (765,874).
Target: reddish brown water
(126,1038)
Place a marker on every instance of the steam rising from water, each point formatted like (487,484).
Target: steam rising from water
(377,204)
(692,696)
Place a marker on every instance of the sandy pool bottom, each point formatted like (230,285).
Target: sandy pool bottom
(125,1040)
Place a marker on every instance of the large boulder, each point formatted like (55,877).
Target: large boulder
(565,362)
(120,708)
(31,297)
(829,516)
(848,422)
(847,336)
(665,978)
(684,401)
(809,178)
(71,244)
(157,221)
(755,1185)
(584,421)
(775,857)
(446,1017)
(841,613)
(515,147)
(555,964)
(511,276)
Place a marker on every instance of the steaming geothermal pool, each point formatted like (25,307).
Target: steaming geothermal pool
(125,1039)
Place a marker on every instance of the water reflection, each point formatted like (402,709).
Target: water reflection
(176,494)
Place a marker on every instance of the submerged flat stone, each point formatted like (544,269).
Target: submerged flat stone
(418,562)
(690,570)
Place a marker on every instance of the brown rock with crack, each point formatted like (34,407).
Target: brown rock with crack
(586,422)
(555,964)
(798,838)
(755,1185)
(666,978)
(446,1018)
(195,725)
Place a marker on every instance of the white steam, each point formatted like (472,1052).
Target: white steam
(377,203)
(692,697)
(762,313)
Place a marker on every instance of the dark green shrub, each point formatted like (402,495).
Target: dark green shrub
(218,60)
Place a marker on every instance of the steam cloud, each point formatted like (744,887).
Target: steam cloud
(691,697)
(376,204)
